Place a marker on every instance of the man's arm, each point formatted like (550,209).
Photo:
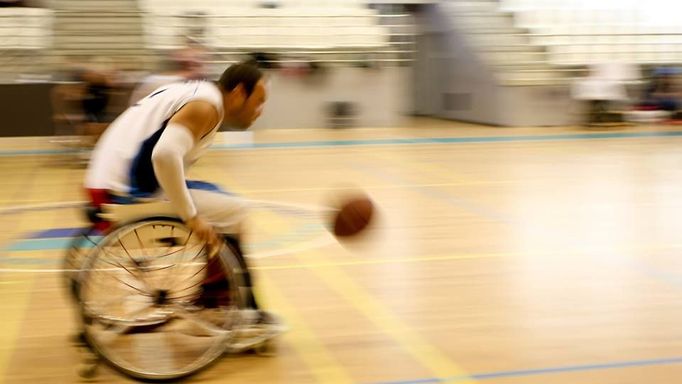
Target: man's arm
(185,128)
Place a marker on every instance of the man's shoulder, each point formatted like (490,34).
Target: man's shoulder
(208,90)
(211,87)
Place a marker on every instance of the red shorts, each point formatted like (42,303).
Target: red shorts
(98,197)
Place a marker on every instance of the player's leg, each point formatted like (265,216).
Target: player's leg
(226,213)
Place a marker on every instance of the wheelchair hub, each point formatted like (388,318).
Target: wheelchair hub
(161,297)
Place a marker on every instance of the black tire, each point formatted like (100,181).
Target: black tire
(149,324)
(74,257)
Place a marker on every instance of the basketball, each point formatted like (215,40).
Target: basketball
(353,216)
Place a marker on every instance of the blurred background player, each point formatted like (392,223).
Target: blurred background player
(82,103)
(185,64)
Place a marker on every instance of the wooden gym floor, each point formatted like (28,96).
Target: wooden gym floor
(501,256)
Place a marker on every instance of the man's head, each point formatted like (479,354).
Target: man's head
(243,94)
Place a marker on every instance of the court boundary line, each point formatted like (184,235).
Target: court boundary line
(577,368)
(411,342)
(80,203)
(395,141)
(349,263)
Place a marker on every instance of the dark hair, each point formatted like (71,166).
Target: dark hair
(244,73)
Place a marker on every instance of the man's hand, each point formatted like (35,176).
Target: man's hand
(205,232)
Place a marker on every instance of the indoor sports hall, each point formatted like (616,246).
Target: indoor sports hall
(520,162)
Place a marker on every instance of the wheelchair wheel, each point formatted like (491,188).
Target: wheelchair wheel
(141,301)
(75,256)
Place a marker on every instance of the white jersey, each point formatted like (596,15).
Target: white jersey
(121,161)
(151,83)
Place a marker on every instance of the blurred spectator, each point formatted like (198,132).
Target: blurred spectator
(66,97)
(270,4)
(193,57)
(67,113)
(184,64)
(177,69)
(81,102)
(662,93)
(12,3)
(97,87)
(264,60)
(99,83)
(603,89)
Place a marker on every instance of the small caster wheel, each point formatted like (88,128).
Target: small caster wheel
(87,370)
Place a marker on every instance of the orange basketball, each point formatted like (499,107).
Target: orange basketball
(353,216)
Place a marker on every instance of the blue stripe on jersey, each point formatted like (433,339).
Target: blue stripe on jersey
(143,182)
(157,92)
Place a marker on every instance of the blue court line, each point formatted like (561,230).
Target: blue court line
(543,371)
(399,141)
(450,140)
(44,244)
(55,233)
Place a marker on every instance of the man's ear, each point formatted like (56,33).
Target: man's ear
(238,91)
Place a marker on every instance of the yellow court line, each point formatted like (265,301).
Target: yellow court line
(267,222)
(17,296)
(17,202)
(14,306)
(428,355)
(15,302)
(393,260)
(319,360)
(465,256)
(438,171)
(393,186)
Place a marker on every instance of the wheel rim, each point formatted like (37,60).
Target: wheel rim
(139,293)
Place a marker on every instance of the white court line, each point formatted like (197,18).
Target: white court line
(39,207)
(73,204)
(11,270)
(317,242)
(305,207)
